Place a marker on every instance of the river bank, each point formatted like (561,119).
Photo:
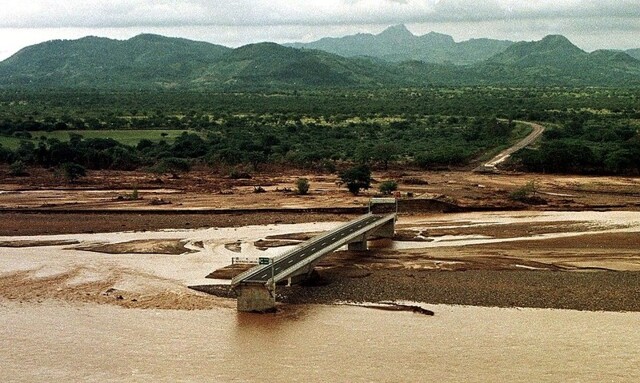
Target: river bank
(589,291)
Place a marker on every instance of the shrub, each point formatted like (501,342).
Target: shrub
(302,186)
(387,187)
(172,165)
(237,174)
(527,194)
(18,169)
(73,171)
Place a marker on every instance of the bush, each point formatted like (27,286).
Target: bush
(18,169)
(73,171)
(527,194)
(237,174)
(387,187)
(172,165)
(523,192)
(302,186)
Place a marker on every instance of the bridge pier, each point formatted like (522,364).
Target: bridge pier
(358,246)
(388,230)
(253,297)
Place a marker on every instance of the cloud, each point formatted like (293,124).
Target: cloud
(164,13)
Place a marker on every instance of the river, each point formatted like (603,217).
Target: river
(97,343)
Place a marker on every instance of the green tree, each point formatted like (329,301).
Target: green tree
(356,178)
(172,165)
(385,153)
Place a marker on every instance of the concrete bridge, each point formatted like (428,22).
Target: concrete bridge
(256,287)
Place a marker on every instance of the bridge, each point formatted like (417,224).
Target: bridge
(256,287)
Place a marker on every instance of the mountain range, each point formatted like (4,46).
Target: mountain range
(393,58)
(398,44)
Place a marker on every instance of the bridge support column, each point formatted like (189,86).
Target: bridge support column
(388,230)
(255,298)
(358,246)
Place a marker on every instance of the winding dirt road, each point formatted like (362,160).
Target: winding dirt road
(502,156)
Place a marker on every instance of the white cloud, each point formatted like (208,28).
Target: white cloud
(129,13)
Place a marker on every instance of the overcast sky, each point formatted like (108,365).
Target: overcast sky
(590,24)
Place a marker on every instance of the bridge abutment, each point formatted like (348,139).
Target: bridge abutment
(255,298)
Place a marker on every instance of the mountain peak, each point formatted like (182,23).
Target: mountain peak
(557,41)
(438,38)
(399,30)
(552,50)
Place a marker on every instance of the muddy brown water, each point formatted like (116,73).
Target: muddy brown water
(93,343)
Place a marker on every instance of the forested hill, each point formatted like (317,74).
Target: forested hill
(152,62)
(555,60)
(100,62)
(398,44)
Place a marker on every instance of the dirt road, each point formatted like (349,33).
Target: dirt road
(502,156)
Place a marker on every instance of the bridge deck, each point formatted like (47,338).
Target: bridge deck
(307,253)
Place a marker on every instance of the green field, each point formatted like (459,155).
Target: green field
(127,137)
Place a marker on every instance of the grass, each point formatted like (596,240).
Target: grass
(9,142)
(127,137)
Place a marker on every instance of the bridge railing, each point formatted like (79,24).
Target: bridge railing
(240,277)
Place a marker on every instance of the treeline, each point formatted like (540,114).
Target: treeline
(109,110)
(425,127)
(423,142)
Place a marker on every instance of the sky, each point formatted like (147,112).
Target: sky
(590,24)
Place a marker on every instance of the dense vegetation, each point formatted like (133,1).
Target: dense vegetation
(593,130)
(586,145)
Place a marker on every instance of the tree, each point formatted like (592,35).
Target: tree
(384,153)
(73,171)
(189,145)
(302,184)
(356,178)
(387,187)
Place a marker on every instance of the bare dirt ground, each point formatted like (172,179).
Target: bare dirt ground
(201,189)
(596,270)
